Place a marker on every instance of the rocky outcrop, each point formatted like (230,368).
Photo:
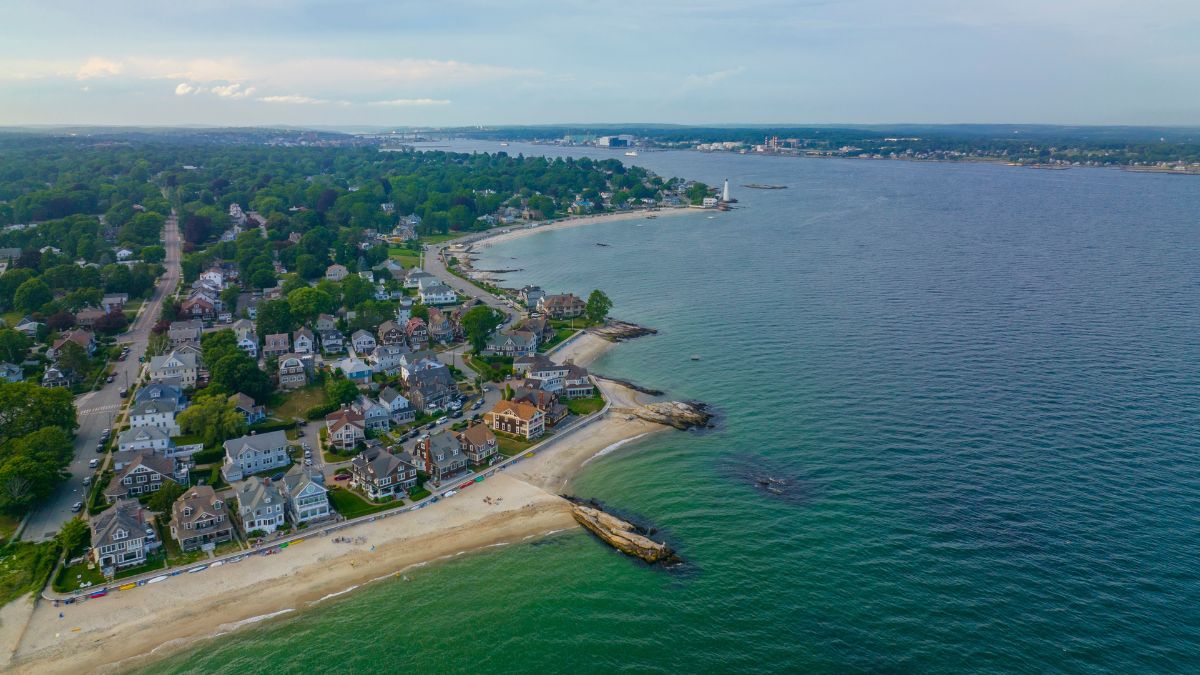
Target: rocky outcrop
(632,385)
(622,535)
(678,414)
(620,331)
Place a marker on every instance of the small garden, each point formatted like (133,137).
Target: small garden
(492,368)
(585,406)
(513,445)
(351,505)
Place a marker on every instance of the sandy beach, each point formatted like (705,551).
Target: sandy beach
(518,232)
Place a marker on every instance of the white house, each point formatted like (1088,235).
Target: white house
(160,414)
(154,439)
(303,341)
(387,358)
(398,407)
(306,494)
(177,364)
(254,453)
(362,341)
(336,272)
(438,294)
(375,415)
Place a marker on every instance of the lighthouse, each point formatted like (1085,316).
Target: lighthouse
(725,191)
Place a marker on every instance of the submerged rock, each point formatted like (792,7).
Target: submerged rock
(622,535)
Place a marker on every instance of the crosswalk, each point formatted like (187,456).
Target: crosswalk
(101,409)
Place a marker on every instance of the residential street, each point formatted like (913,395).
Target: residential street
(98,409)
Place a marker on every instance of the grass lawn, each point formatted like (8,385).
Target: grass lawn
(559,335)
(350,505)
(71,578)
(511,445)
(418,493)
(8,525)
(176,557)
(295,403)
(404,256)
(439,238)
(156,562)
(585,406)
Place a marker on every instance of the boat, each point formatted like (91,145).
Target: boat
(764,186)
(631,153)
(503,144)
(217,563)
(695,357)
(198,568)
(127,587)
(99,594)
(155,580)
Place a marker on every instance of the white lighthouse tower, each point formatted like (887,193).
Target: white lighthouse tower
(725,191)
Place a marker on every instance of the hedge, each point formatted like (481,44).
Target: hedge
(209,456)
(320,411)
(273,425)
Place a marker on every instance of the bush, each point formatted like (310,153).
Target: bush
(273,425)
(320,411)
(209,456)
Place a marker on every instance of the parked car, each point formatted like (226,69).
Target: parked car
(87,480)
(93,463)
(100,447)
(110,378)
(76,507)
(124,392)
(442,420)
(456,414)
(308,461)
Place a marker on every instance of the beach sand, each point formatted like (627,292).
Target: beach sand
(518,232)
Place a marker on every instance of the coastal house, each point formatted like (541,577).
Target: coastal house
(404,311)
(390,333)
(375,415)
(122,536)
(564,306)
(260,505)
(276,344)
(437,294)
(412,362)
(292,371)
(183,333)
(362,341)
(11,372)
(515,343)
(478,443)
(199,517)
(29,328)
(442,456)
(418,332)
(345,428)
(400,410)
(177,365)
(254,453)
(54,376)
(416,277)
(141,472)
(85,339)
(160,413)
(326,322)
(440,328)
(246,407)
(88,316)
(306,494)
(332,341)
(540,327)
(530,296)
(199,306)
(355,370)
(387,359)
(517,418)
(114,302)
(152,439)
(380,475)
(165,389)
(577,383)
(304,342)
(336,272)
(545,401)
(431,389)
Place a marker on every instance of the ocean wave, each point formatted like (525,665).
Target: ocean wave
(611,448)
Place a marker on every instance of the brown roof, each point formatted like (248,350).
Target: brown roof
(520,409)
(478,434)
(201,499)
(337,420)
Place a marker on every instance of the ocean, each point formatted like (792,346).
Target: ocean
(972,388)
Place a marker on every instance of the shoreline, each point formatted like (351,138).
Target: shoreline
(519,232)
(134,629)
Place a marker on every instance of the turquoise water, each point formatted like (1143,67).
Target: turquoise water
(979,382)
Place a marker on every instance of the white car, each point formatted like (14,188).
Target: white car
(94,463)
(441,420)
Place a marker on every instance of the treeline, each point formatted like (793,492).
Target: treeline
(37,426)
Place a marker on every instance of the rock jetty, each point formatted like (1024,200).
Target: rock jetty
(620,331)
(678,414)
(622,535)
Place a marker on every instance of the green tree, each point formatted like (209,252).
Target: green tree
(306,303)
(355,289)
(166,495)
(598,306)
(213,419)
(13,345)
(275,316)
(478,324)
(74,537)
(340,390)
(32,295)
(73,358)
(26,407)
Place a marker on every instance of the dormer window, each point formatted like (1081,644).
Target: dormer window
(119,535)
(187,510)
(217,504)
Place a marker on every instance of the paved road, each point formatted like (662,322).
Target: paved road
(97,410)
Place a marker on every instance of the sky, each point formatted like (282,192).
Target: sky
(470,62)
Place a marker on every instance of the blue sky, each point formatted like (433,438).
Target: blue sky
(462,62)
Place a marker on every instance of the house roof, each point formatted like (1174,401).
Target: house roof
(344,417)
(142,435)
(202,501)
(379,464)
(126,514)
(234,447)
(276,341)
(187,359)
(478,434)
(154,406)
(388,395)
(299,477)
(520,409)
(182,329)
(243,402)
(82,338)
(130,460)
(255,493)
(303,332)
(352,365)
(446,444)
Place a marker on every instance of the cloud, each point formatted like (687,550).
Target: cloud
(98,67)
(183,89)
(401,102)
(294,99)
(232,91)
